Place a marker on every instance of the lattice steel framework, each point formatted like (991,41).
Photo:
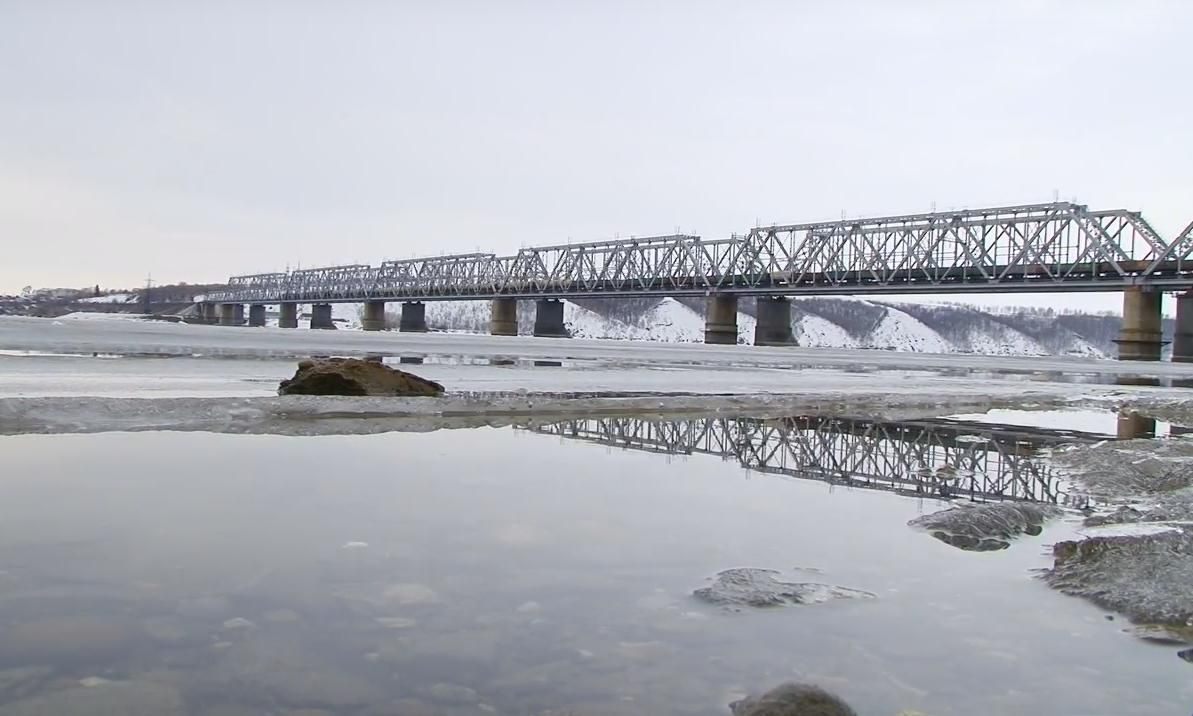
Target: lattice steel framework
(921,458)
(1040,247)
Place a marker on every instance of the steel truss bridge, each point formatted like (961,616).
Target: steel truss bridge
(925,458)
(1041,247)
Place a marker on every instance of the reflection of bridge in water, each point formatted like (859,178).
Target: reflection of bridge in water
(924,458)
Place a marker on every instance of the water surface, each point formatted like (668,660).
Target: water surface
(514,571)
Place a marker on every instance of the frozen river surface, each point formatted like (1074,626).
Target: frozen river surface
(416,561)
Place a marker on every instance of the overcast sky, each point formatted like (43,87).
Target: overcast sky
(201,139)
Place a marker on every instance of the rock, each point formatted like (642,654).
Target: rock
(984,528)
(1176,506)
(128,698)
(171,631)
(793,700)
(1118,468)
(1164,635)
(1124,515)
(352,376)
(746,587)
(1187,655)
(1145,577)
(410,593)
(294,673)
(17,683)
(67,641)
(282,616)
(239,623)
(230,710)
(204,607)
(452,694)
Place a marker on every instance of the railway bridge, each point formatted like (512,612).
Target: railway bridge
(1045,248)
(921,458)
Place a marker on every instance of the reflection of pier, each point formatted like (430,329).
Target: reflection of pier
(936,458)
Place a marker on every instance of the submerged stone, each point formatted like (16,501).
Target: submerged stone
(748,587)
(113,699)
(352,376)
(16,683)
(1145,577)
(984,528)
(793,700)
(68,640)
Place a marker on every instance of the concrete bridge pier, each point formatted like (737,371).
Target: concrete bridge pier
(414,317)
(288,315)
(1132,426)
(1182,339)
(209,313)
(321,316)
(257,314)
(374,316)
(720,322)
(773,327)
(503,321)
(231,314)
(1141,337)
(548,319)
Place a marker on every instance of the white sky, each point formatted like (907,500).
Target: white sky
(194,140)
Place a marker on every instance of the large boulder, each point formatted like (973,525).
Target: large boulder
(748,587)
(1146,577)
(984,528)
(793,700)
(352,376)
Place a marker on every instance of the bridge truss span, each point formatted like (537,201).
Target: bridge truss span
(927,458)
(1041,247)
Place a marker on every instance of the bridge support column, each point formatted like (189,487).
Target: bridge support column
(1134,425)
(1182,340)
(548,319)
(773,327)
(414,317)
(374,316)
(209,313)
(504,318)
(1140,337)
(288,315)
(321,316)
(257,314)
(720,322)
(231,314)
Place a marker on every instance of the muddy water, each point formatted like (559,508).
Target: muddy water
(518,571)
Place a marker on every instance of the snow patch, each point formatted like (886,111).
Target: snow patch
(816,332)
(899,331)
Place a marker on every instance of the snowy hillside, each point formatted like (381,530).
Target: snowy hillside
(839,322)
(826,322)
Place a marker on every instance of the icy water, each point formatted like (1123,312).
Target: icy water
(547,569)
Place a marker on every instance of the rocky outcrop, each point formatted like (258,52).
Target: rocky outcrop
(984,528)
(1145,577)
(746,587)
(793,700)
(352,376)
